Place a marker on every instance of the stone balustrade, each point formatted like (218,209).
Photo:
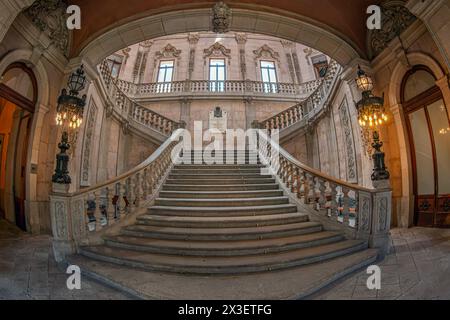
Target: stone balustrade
(312,104)
(80,218)
(362,213)
(238,87)
(129,109)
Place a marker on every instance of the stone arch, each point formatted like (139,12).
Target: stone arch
(243,20)
(395,102)
(26,57)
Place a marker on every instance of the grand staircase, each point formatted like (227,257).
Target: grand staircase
(230,219)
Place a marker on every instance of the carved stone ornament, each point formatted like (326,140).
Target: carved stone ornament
(169,51)
(217,50)
(50,17)
(221,17)
(349,142)
(193,38)
(266,52)
(241,38)
(87,145)
(395,18)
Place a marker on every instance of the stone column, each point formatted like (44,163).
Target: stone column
(193,40)
(435,15)
(381,217)
(241,39)
(250,112)
(185,111)
(63,244)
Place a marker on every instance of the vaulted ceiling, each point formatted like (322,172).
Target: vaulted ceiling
(345,18)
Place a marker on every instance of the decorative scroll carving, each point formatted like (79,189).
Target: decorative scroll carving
(221,17)
(364,213)
(266,52)
(241,38)
(349,142)
(395,18)
(193,40)
(169,51)
(382,214)
(297,67)
(60,220)
(87,147)
(50,16)
(217,50)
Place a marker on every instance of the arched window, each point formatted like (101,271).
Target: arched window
(429,134)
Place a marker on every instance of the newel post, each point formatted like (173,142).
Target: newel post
(381,217)
(63,243)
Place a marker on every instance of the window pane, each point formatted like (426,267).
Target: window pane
(213,73)
(423,152)
(418,82)
(168,77)
(166,64)
(273,76)
(441,134)
(221,75)
(217,62)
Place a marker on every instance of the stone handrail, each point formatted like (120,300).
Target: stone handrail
(79,218)
(299,111)
(145,90)
(131,110)
(362,213)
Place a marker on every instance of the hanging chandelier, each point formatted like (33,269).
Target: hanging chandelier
(71,107)
(370,108)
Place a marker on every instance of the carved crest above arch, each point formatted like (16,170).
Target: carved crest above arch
(217,50)
(395,18)
(169,51)
(266,52)
(49,16)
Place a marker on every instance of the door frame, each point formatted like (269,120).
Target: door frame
(422,101)
(26,105)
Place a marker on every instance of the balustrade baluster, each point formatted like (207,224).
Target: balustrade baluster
(122,201)
(98,211)
(109,206)
(352,208)
(131,194)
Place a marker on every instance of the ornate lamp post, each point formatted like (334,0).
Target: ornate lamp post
(371,114)
(69,116)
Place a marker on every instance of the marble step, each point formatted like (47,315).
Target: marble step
(221,194)
(222,211)
(224,234)
(222,222)
(222,248)
(218,187)
(221,181)
(222,265)
(232,202)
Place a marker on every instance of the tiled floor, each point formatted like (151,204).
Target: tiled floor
(28,271)
(417,268)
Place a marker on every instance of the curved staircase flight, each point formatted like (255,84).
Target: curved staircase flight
(224,220)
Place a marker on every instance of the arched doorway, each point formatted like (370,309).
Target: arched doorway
(18,96)
(429,134)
